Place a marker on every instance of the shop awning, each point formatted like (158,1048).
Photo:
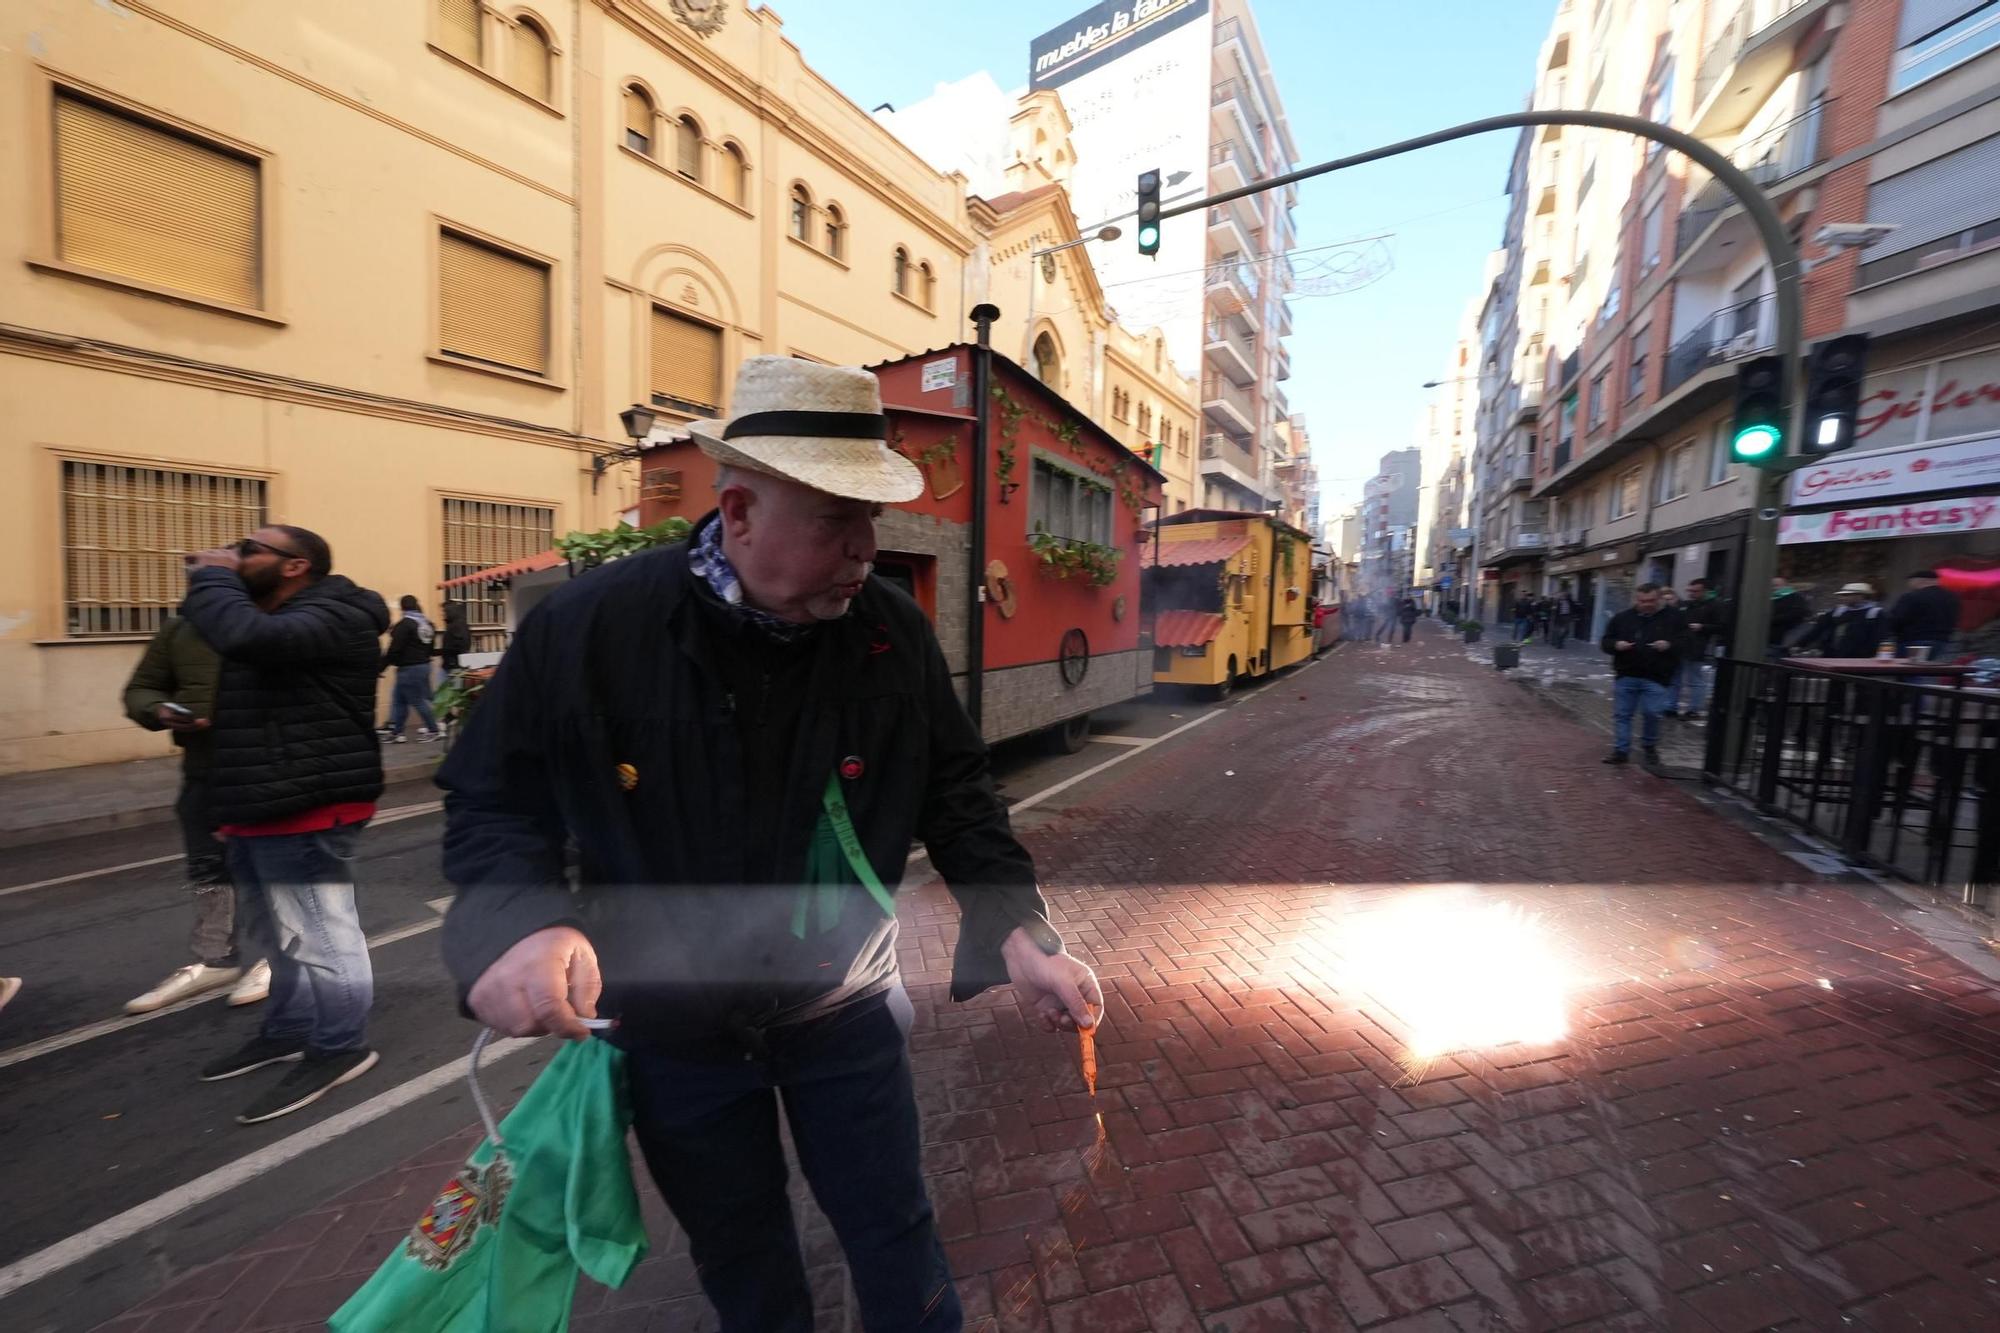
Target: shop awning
(1210,551)
(1185,629)
(527,564)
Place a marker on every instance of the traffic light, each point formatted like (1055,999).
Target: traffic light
(1833,393)
(1149,212)
(1759,439)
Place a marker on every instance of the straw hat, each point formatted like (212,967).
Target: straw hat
(821,426)
(1862,588)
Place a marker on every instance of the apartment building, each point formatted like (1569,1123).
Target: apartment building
(1389,502)
(1449,436)
(1882,112)
(392,275)
(1298,476)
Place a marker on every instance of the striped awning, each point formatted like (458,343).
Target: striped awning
(1209,551)
(527,564)
(1185,629)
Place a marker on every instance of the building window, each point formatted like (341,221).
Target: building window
(638,120)
(1719,453)
(493,305)
(687,147)
(1145,420)
(1925,55)
(1068,505)
(138,200)
(1597,396)
(735,176)
(927,285)
(836,232)
(124,531)
(1046,368)
(1650,240)
(1625,499)
(1671,478)
(686,363)
(1662,110)
(1635,375)
(802,214)
(1184,442)
(479,534)
(533,58)
(458,27)
(902,271)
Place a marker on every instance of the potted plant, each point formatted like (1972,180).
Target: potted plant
(1472,629)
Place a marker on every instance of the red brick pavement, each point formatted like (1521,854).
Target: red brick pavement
(1773,1105)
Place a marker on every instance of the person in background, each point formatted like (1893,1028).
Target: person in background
(412,643)
(1646,642)
(1562,619)
(296,777)
(1710,620)
(1524,617)
(1926,616)
(173,690)
(457,640)
(1789,613)
(1854,628)
(1407,616)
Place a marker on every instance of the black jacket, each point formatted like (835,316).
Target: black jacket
(1788,613)
(612,726)
(1925,615)
(1717,617)
(411,643)
(295,700)
(457,631)
(1848,632)
(1641,631)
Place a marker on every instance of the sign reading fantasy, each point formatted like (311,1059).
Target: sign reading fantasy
(1976,513)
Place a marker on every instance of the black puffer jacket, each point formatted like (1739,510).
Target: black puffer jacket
(295,703)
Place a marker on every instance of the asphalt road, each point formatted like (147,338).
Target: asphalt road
(102,1117)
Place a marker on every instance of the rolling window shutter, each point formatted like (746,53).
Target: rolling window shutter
(458,28)
(1938,199)
(1921,18)
(148,204)
(687,360)
(531,62)
(493,306)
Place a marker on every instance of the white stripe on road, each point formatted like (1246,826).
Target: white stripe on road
(396,815)
(144,1217)
(1115,760)
(90,1031)
(1120,740)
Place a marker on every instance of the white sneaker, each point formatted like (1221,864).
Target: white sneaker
(193,979)
(431,735)
(255,986)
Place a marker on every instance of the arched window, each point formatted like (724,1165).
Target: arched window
(1046,369)
(533,55)
(927,288)
(836,232)
(687,147)
(902,271)
(802,214)
(638,120)
(735,175)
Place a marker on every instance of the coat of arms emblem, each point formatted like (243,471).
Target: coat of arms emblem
(703,17)
(448,1227)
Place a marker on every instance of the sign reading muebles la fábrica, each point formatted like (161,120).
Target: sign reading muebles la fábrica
(1103,33)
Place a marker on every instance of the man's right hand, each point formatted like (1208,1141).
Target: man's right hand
(173,721)
(542,986)
(1623,646)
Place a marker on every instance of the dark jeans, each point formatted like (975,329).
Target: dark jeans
(413,690)
(212,940)
(295,903)
(710,1134)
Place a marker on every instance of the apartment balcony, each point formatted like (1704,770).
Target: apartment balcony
(1232,460)
(1228,405)
(1284,354)
(1229,351)
(1519,477)
(1228,232)
(1233,289)
(1530,405)
(1746,60)
(1521,543)
(1730,334)
(1230,166)
(1284,320)
(1773,158)
(1233,112)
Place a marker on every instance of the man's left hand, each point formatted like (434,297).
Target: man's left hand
(223,557)
(1660,645)
(1061,990)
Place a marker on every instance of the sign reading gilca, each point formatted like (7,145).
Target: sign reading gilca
(1976,513)
(1924,467)
(1102,34)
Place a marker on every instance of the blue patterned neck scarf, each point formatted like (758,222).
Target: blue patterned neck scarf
(705,558)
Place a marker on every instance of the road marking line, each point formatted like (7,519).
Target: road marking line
(91,1031)
(1116,759)
(144,1217)
(394,816)
(1120,740)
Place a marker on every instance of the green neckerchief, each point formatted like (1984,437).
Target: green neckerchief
(835,862)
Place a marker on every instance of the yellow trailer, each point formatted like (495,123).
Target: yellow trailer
(1228,595)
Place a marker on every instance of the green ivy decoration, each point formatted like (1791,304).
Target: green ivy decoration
(944,450)
(1060,558)
(587,550)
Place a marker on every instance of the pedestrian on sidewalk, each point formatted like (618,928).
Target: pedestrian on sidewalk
(1524,618)
(1856,627)
(1407,615)
(1789,613)
(1646,642)
(1385,618)
(741,735)
(1711,620)
(173,689)
(297,773)
(457,639)
(1562,619)
(1926,616)
(412,644)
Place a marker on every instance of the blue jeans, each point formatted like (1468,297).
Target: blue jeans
(709,1130)
(295,906)
(413,690)
(1649,697)
(1693,683)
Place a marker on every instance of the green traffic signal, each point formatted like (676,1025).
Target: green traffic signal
(1149,239)
(1759,438)
(1753,442)
(1149,212)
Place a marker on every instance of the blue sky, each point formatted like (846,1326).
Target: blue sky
(1352,75)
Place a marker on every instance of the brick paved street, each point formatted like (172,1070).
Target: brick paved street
(1418,1019)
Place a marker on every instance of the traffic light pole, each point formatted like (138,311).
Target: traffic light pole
(1760,550)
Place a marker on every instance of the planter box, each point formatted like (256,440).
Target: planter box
(1506,656)
(1472,633)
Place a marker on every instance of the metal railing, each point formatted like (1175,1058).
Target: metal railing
(1219,333)
(1729,334)
(1896,775)
(1776,155)
(1231,270)
(1218,389)
(1232,151)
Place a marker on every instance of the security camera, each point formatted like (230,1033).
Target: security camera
(1853,235)
(1768,514)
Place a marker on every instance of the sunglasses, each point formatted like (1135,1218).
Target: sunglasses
(249,546)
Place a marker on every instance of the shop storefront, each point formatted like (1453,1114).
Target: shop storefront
(1601,581)
(1711,550)
(1877,518)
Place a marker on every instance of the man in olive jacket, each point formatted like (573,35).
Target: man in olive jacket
(173,689)
(740,736)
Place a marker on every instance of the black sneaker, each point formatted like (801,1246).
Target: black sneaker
(312,1080)
(1652,758)
(1617,757)
(255,1054)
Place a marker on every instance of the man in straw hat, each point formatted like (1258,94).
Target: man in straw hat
(741,736)
(1854,628)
